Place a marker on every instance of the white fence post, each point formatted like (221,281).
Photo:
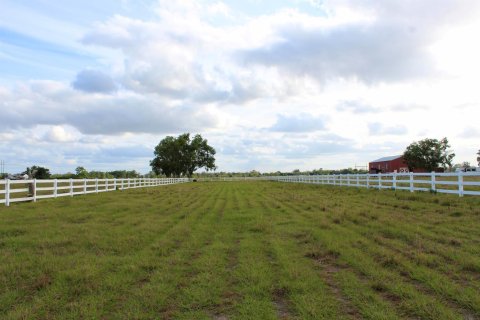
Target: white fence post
(55,188)
(411,181)
(96,185)
(34,190)
(394,183)
(114,183)
(71,187)
(7,192)
(368,180)
(433,180)
(460,184)
(379,181)
(84,185)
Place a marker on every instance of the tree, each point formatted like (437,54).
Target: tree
(36,172)
(478,158)
(181,156)
(81,172)
(428,154)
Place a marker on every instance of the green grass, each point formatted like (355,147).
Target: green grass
(242,250)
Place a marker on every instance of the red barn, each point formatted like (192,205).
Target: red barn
(388,164)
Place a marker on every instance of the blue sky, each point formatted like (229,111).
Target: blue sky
(273,85)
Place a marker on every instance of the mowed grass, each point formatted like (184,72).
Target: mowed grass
(242,250)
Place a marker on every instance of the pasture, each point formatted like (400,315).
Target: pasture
(242,250)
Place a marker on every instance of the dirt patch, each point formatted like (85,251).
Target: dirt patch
(280,301)
(42,282)
(329,268)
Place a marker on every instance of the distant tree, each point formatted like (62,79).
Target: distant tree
(81,173)
(428,154)
(181,156)
(67,175)
(254,173)
(36,172)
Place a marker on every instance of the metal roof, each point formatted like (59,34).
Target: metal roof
(387,158)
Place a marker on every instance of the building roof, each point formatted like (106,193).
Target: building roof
(387,158)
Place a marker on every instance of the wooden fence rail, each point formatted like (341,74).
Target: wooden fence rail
(461,183)
(32,190)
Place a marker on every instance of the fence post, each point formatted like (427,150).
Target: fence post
(114,183)
(7,192)
(34,190)
(358,182)
(433,180)
(394,183)
(55,188)
(411,181)
(368,180)
(379,181)
(96,185)
(460,184)
(348,179)
(84,185)
(71,187)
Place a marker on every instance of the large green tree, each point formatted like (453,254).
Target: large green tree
(81,173)
(428,154)
(181,156)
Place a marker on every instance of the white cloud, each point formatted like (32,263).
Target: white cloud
(377,128)
(94,81)
(298,123)
(52,103)
(59,134)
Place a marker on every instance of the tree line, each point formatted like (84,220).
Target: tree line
(38,172)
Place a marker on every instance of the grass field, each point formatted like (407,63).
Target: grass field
(242,250)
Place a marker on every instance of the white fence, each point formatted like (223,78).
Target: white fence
(461,183)
(231,179)
(32,190)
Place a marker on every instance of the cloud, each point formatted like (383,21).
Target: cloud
(58,134)
(94,81)
(185,57)
(407,107)
(55,104)
(390,44)
(369,53)
(298,123)
(377,128)
(356,107)
(470,133)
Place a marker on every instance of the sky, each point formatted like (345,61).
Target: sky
(272,85)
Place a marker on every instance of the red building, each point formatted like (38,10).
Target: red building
(388,164)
